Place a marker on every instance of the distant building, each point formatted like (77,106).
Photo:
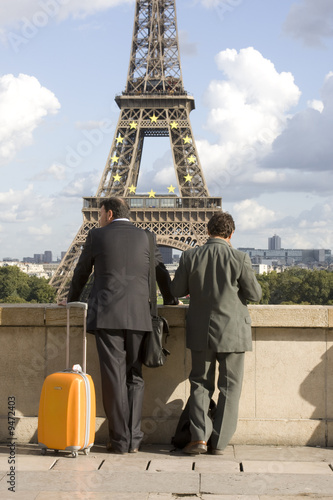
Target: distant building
(47,258)
(260,268)
(288,257)
(38,258)
(274,243)
(166,253)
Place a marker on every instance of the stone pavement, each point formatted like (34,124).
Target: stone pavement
(158,473)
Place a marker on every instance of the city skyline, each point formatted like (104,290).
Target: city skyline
(261,74)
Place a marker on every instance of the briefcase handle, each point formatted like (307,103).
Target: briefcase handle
(84,306)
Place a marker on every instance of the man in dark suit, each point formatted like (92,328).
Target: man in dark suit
(219,280)
(119,314)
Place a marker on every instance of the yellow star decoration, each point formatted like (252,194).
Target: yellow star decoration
(191,159)
(153,118)
(115,158)
(133,125)
(187,140)
(117,177)
(188,177)
(152,194)
(174,125)
(132,189)
(171,189)
(120,140)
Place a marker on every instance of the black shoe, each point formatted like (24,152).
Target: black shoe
(111,449)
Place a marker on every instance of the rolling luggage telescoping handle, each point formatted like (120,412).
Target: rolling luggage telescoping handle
(84,306)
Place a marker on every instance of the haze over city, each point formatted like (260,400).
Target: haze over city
(261,74)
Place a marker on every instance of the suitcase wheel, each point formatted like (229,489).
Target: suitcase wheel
(43,451)
(75,454)
(86,451)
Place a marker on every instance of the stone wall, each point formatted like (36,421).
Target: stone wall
(287,396)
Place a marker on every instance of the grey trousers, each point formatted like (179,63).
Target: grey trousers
(122,385)
(229,384)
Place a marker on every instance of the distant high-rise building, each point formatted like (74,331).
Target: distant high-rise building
(166,253)
(38,258)
(47,256)
(274,243)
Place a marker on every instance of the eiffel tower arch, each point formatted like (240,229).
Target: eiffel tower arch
(154,104)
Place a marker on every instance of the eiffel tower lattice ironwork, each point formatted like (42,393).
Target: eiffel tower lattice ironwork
(154,104)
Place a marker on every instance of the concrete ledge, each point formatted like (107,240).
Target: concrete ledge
(288,383)
(279,316)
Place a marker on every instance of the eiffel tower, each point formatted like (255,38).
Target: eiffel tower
(154,104)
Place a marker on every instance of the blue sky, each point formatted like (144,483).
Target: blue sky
(261,74)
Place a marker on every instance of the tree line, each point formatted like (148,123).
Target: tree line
(18,287)
(297,286)
(293,286)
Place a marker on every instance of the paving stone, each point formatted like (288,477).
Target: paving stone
(231,497)
(166,496)
(18,495)
(77,464)
(267,484)
(125,464)
(279,467)
(111,481)
(28,463)
(90,495)
(171,465)
(219,466)
(285,453)
(294,497)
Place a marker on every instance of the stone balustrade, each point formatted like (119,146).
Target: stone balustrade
(287,396)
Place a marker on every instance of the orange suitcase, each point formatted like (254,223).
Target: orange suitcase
(67,407)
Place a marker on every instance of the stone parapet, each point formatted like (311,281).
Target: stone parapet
(287,391)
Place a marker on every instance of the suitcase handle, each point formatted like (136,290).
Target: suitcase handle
(81,305)
(84,306)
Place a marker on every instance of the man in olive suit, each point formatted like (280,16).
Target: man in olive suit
(219,280)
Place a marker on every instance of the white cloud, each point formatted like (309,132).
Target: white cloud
(56,171)
(84,184)
(248,109)
(316,104)
(43,230)
(35,14)
(269,177)
(310,21)
(312,228)
(306,143)
(23,206)
(249,215)
(23,104)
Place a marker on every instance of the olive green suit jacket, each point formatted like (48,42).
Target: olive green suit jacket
(220,280)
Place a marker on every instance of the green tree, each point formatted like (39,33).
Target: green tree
(17,287)
(13,282)
(40,291)
(263,280)
(297,286)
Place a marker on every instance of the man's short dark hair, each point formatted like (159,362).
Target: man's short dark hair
(119,207)
(221,224)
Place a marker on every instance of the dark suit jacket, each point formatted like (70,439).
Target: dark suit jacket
(219,279)
(119,299)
